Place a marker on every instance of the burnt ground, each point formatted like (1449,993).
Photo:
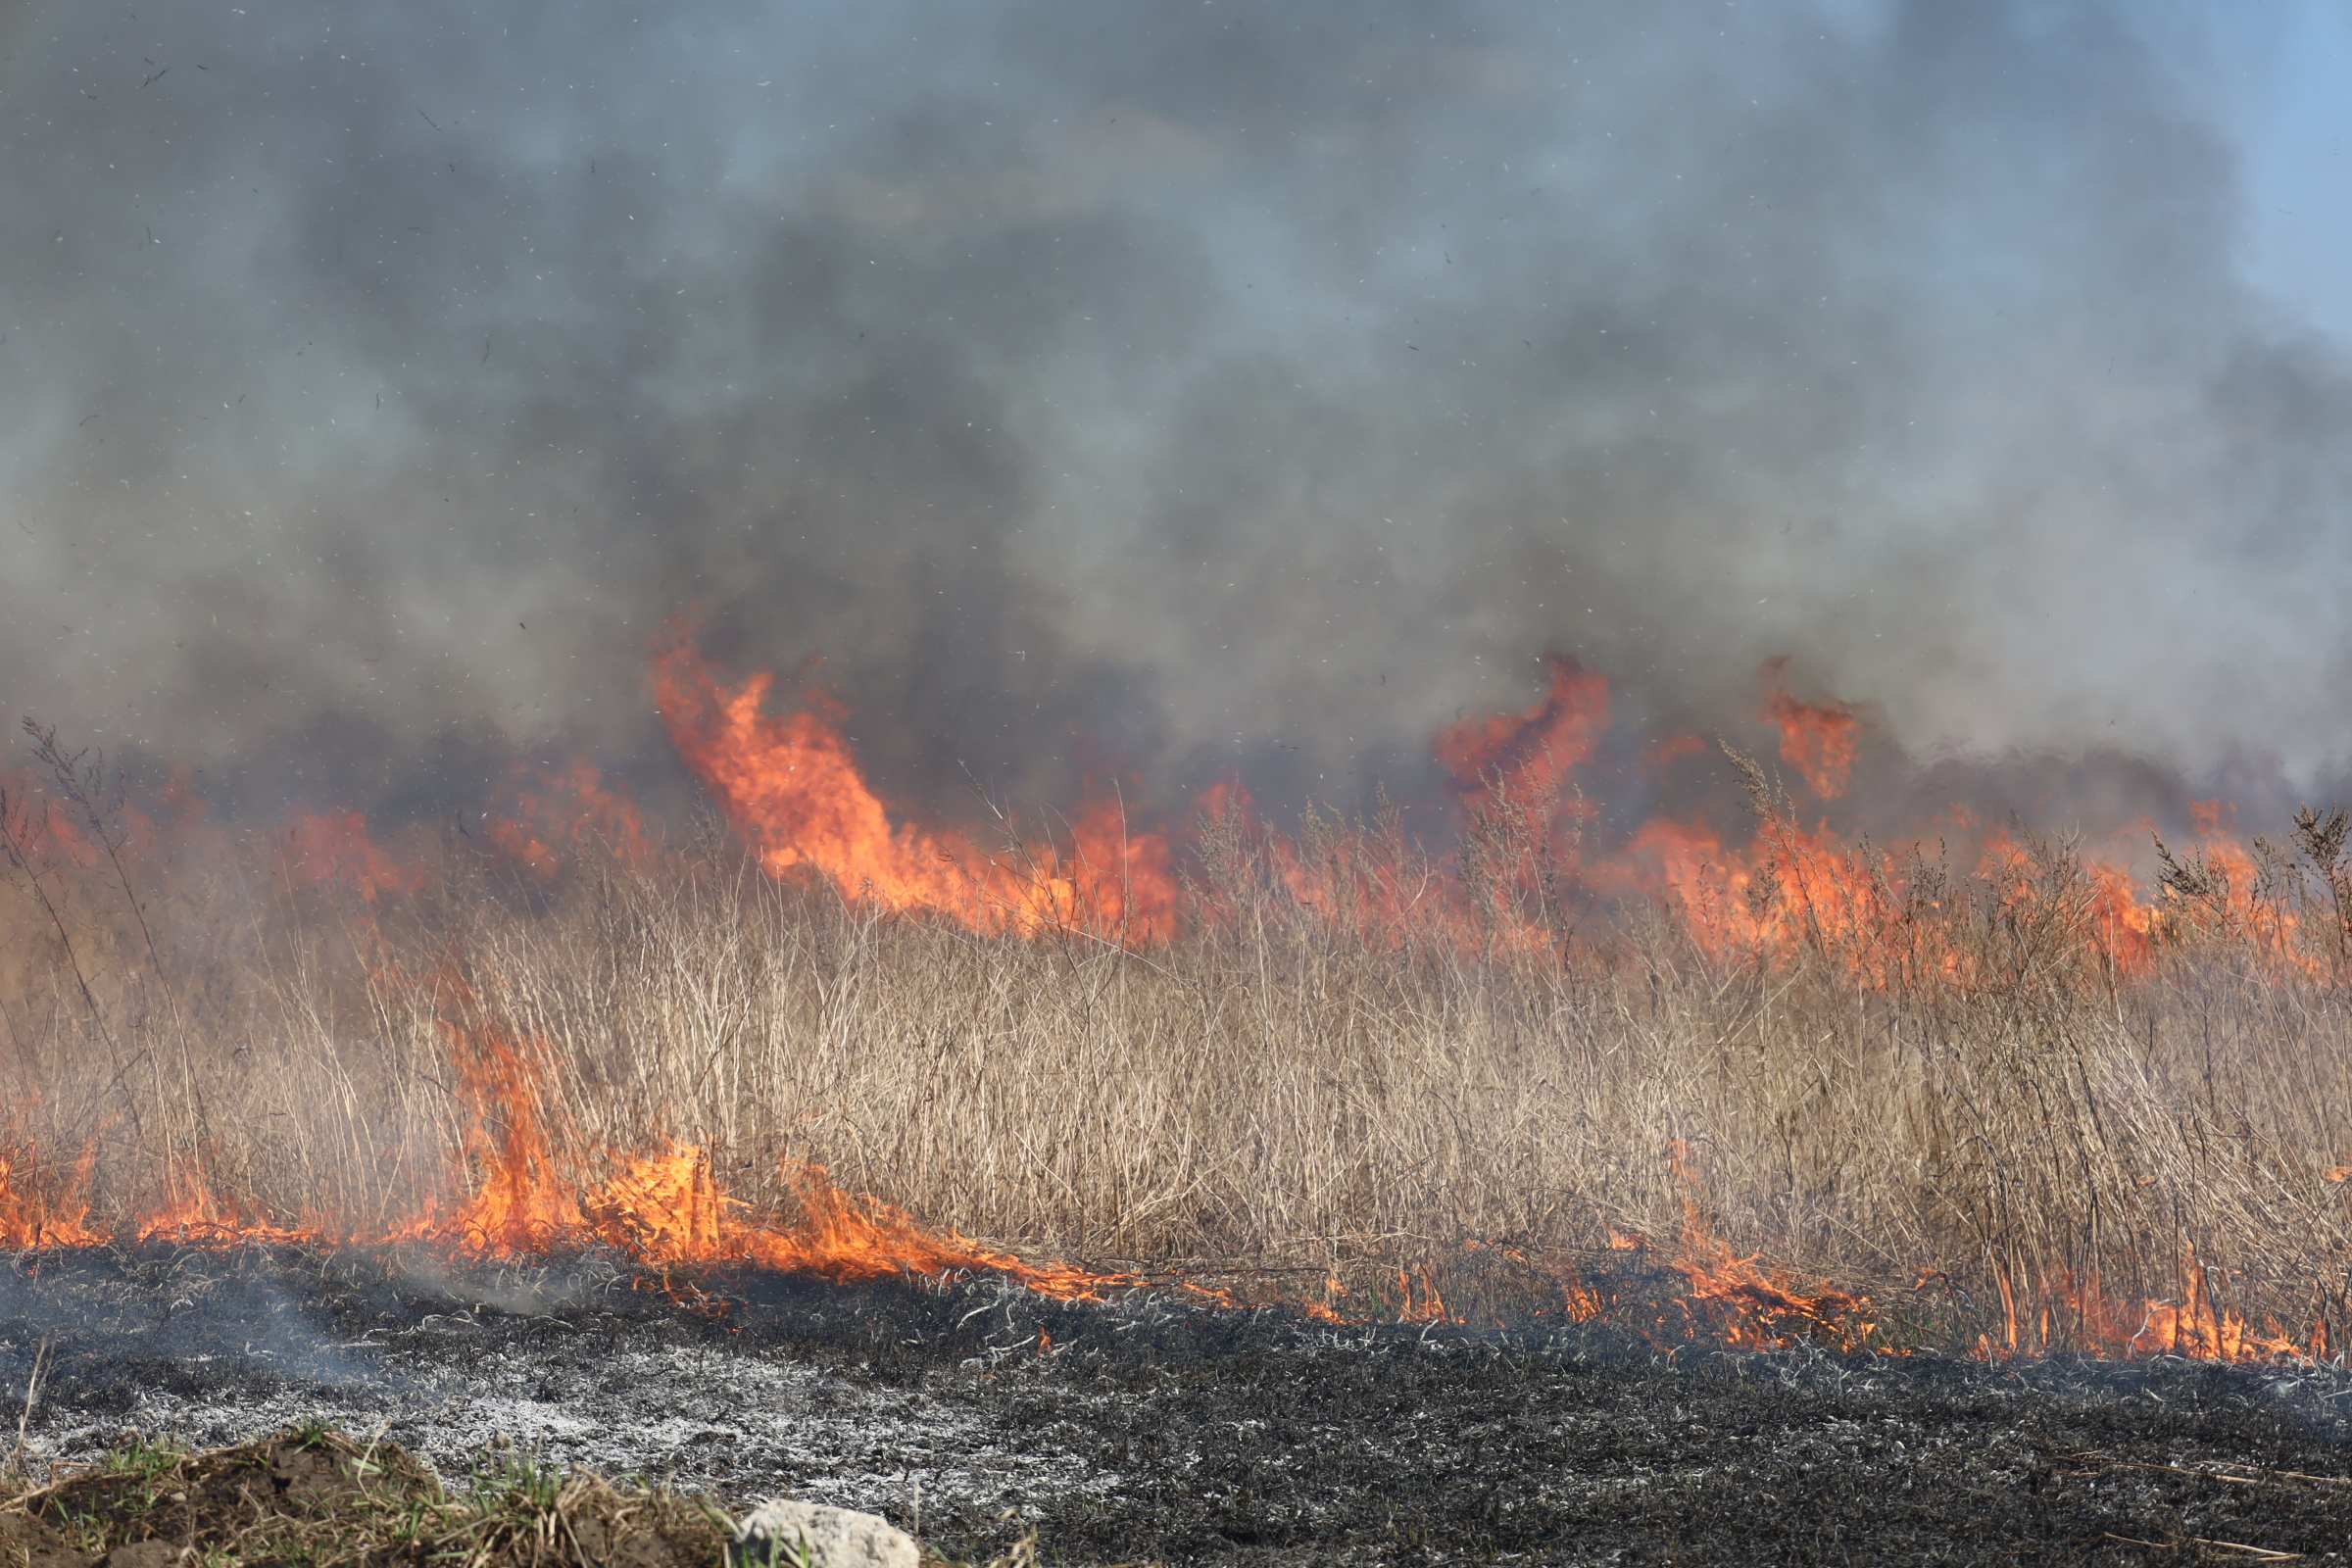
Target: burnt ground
(1149,1428)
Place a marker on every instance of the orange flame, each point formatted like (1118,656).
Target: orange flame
(30,1218)
(523,1205)
(559,811)
(1820,740)
(36,823)
(668,1208)
(1530,753)
(1755,1308)
(2080,1314)
(192,1212)
(791,787)
(333,849)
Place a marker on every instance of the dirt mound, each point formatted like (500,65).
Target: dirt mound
(308,1494)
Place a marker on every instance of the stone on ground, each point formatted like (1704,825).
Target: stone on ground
(779,1534)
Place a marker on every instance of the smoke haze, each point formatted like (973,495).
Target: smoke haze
(1228,384)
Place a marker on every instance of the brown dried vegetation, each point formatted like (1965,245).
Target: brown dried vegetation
(1952,1097)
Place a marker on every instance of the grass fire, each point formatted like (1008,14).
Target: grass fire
(1367,783)
(1987,1095)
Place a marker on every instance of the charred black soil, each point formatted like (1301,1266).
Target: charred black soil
(1149,1428)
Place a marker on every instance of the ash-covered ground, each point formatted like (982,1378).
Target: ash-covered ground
(1149,1428)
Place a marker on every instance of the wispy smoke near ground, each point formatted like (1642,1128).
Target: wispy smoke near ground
(1226,384)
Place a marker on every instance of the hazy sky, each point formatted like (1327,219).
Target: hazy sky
(1224,382)
(2280,96)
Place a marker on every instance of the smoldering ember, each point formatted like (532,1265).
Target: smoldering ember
(1378,783)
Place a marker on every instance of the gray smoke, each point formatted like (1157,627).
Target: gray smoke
(1227,383)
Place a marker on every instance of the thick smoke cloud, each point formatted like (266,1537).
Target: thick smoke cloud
(1226,384)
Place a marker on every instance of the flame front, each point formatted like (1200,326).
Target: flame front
(668,1208)
(663,1209)
(1531,859)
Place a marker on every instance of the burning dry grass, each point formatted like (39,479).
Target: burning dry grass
(1956,1101)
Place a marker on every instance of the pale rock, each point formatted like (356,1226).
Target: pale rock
(779,1534)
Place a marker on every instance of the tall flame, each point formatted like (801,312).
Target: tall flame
(523,1205)
(792,786)
(1820,740)
(1530,753)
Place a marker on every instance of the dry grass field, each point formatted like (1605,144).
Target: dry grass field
(1355,1071)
